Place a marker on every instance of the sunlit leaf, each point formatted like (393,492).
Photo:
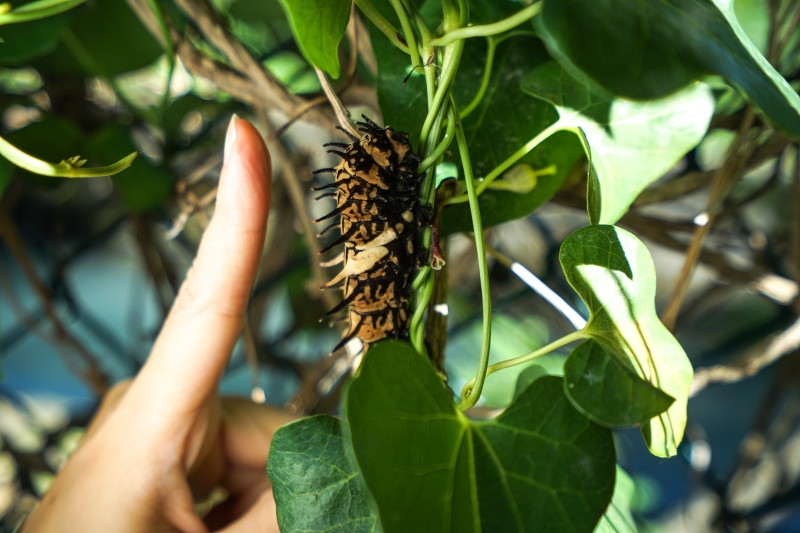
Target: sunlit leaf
(651,48)
(540,466)
(606,390)
(38,10)
(613,273)
(631,144)
(319,26)
(315,482)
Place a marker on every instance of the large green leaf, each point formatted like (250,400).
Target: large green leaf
(618,518)
(506,119)
(315,482)
(142,186)
(613,273)
(319,26)
(607,390)
(540,466)
(403,106)
(651,48)
(632,143)
(24,42)
(112,38)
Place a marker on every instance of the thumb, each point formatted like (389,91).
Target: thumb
(192,350)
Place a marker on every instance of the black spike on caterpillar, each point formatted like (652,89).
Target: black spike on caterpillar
(375,186)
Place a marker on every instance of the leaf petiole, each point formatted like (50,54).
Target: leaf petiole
(516,156)
(491,44)
(485,30)
(544,350)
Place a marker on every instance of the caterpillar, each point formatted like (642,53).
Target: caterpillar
(375,190)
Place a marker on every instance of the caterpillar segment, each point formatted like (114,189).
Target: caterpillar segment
(375,189)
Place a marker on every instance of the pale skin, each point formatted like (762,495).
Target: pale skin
(166,439)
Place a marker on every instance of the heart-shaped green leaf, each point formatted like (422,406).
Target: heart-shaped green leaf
(607,390)
(318,26)
(651,48)
(630,144)
(618,518)
(613,273)
(540,466)
(315,482)
(492,141)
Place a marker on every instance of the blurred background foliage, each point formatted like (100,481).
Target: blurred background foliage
(89,268)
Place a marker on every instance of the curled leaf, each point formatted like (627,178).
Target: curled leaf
(68,168)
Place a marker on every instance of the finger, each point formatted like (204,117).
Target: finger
(248,429)
(108,406)
(241,498)
(193,348)
(261,516)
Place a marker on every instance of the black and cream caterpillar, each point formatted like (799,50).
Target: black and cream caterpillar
(376,197)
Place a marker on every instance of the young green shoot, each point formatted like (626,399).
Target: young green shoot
(386,27)
(70,168)
(563,341)
(509,162)
(485,30)
(472,392)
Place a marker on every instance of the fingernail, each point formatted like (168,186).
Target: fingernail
(230,138)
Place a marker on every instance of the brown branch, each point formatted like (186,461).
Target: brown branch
(794,228)
(766,353)
(153,263)
(92,374)
(724,178)
(436,323)
(298,198)
(245,79)
(272,93)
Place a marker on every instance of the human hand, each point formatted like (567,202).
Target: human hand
(166,439)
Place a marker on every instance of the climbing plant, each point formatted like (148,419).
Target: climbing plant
(510,98)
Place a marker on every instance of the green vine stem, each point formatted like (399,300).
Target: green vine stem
(505,165)
(169,50)
(70,168)
(427,51)
(386,27)
(429,161)
(485,30)
(416,329)
(563,341)
(411,39)
(452,57)
(35,10)
(491,44)
(471,393)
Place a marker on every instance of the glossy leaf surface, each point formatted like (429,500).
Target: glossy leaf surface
(650,48)
(631,144)
(539,466)
(613,273)
(319,26)
(609,392)
(316,485)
